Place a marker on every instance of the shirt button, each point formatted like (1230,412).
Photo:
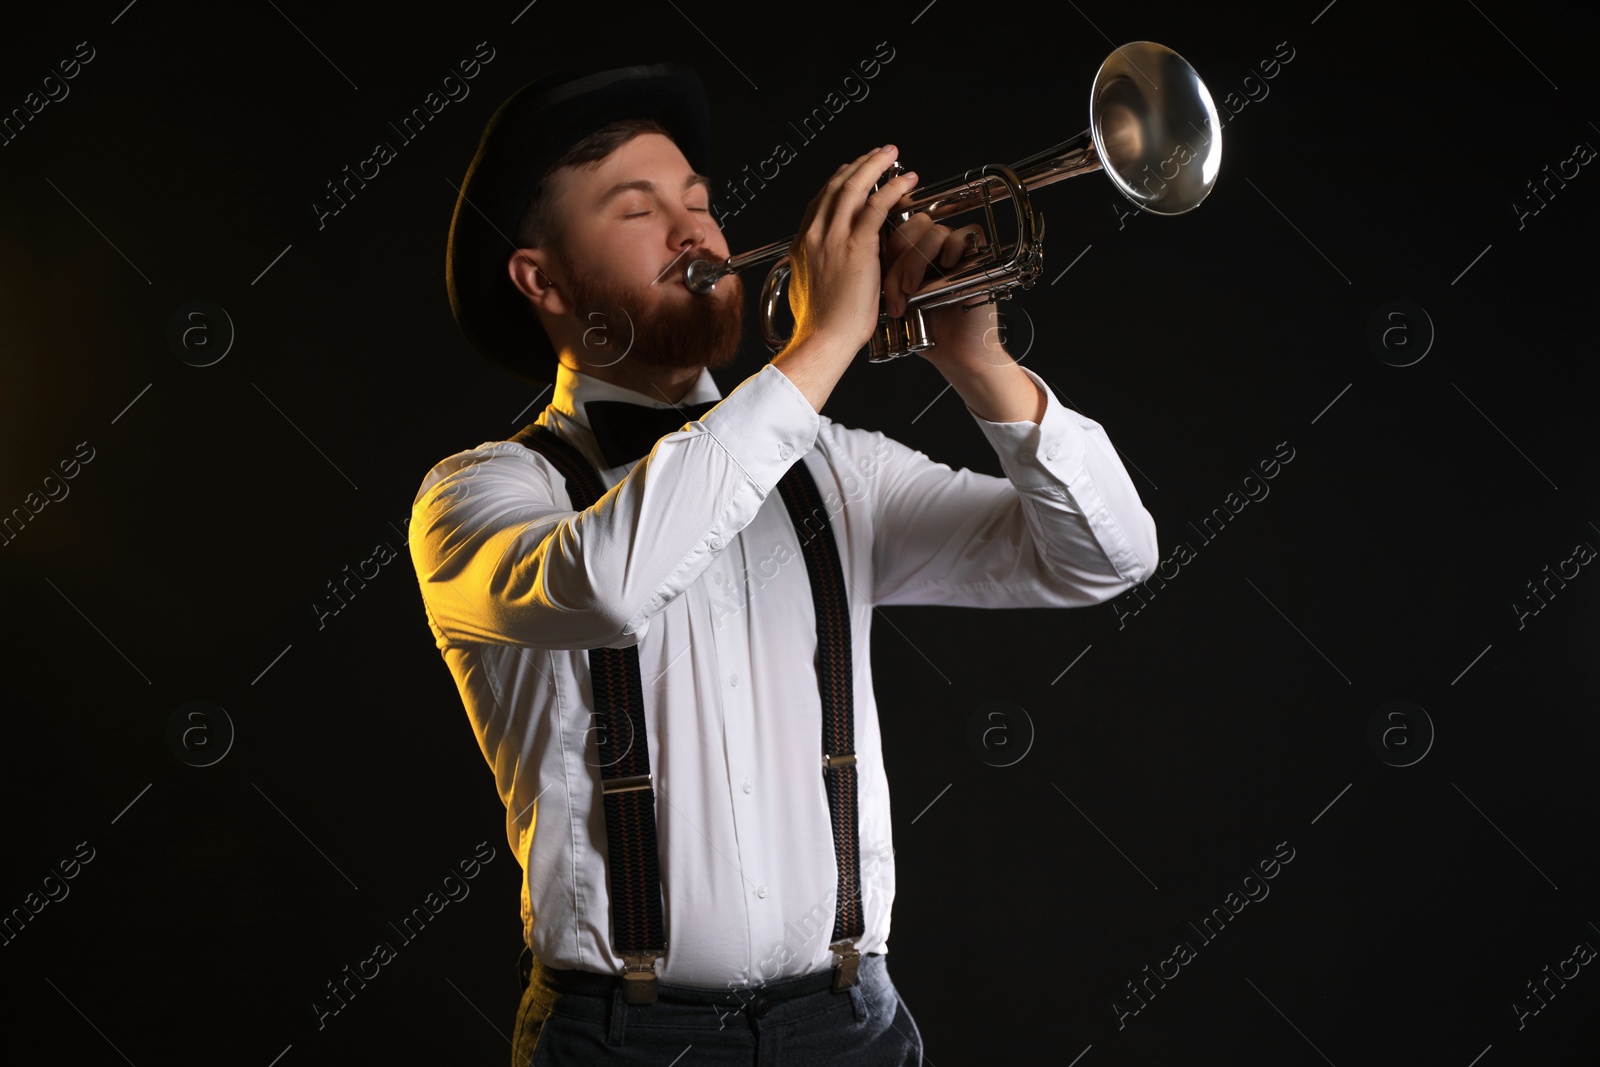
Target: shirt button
(747,785)
(784,451)
(762,892)
(1027,456)
(1052,453)
(733,679)
(716,544)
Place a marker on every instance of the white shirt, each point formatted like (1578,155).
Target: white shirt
(691,556)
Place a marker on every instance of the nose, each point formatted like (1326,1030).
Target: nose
(689,229)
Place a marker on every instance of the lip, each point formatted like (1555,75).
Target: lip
(677,272)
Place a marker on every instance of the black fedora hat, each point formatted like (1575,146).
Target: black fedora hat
(532,129)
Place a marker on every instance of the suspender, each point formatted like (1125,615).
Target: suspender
(638,932)
(832,609)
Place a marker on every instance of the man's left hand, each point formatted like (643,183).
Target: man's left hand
(968,347)
(920,247)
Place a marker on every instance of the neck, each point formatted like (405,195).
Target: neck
(668,384)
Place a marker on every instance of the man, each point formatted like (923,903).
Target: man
(764,857)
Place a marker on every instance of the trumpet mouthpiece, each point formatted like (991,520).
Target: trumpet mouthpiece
(702,275)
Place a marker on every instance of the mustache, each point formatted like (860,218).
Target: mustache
(682,263)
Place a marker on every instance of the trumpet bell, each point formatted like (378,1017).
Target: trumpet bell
(1155,128)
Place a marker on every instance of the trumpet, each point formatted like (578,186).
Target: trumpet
(1153,130)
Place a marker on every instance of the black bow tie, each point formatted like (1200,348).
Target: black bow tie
(626,431)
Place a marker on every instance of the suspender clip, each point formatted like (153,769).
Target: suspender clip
(832,762)
(639,982)
(846,965)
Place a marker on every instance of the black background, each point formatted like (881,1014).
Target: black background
(1184,743)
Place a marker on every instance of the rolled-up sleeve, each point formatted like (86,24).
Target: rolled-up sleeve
(1064,528)
(503,558)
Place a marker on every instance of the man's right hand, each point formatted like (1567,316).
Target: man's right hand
(836,278)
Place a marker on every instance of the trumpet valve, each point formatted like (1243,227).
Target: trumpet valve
(899,337)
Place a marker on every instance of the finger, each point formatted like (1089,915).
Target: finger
(893,289)
(876,209)
(913,266)
(821,205)
(869,168)
(823,197)
(906,234)
(844,176)
(962,242)
(856,185)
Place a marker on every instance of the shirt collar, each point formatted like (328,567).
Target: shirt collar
(573,389)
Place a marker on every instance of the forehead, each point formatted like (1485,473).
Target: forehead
(646,157)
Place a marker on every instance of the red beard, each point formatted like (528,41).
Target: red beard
(621,323)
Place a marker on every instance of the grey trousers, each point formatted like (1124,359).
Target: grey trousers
(754,1026)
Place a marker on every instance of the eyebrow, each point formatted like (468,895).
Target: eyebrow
(644,185)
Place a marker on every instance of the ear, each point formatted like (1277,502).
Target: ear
(530,273)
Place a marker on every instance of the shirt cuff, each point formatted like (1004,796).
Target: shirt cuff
(765,424)
(1043,454)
